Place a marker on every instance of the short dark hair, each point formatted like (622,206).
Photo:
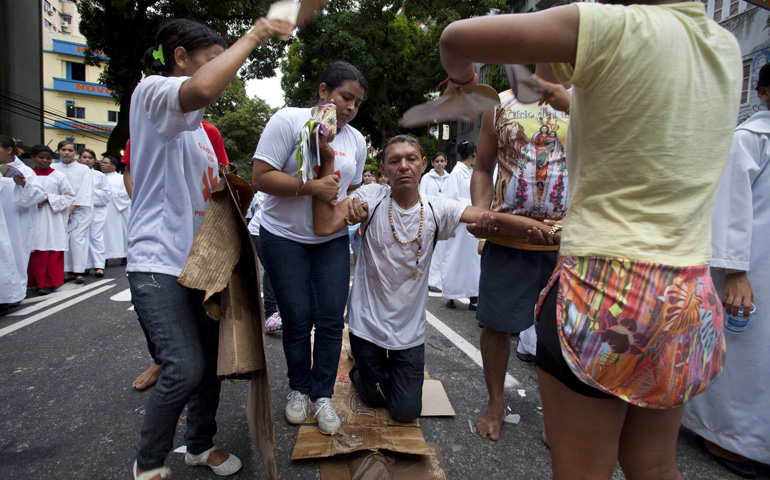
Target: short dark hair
(436,155)
(466,148)
(336,73)
(93,154)
(368,170)
(39,148)
(65,142)
(400,139)
(181,32)
(764,77)
(113,161)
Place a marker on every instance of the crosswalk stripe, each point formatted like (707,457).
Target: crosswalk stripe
(464,345)
(58,296)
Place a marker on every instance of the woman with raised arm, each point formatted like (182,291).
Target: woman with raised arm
(630,327)
(174,170)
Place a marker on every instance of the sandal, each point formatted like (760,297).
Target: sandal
(80,280)
(164,472)
(99,273)
(228,467)
(69,278)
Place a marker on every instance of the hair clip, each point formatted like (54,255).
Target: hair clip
(158,55)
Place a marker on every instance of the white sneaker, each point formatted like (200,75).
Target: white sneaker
(328,421)
(296,408)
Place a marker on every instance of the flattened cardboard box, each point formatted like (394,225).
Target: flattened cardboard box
(355,465)
(311,443)
(230,267)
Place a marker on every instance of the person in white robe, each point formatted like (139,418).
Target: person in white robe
(461,263)
(733,414)
(434,183)
(118,211)
(18,200)
(79,224)
(46,262)
(10,277)
(101,196)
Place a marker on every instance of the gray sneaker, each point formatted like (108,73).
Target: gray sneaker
(296,407)
(328,421)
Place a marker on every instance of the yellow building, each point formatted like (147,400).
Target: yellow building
(76,106)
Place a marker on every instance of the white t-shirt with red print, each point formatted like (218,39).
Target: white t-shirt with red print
(292,217)
(174,170)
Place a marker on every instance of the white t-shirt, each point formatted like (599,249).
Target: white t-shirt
(387,306)
(292,217)
(255,209)
(174,170)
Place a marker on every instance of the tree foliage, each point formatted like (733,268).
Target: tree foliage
(393,43)
(240,120)
(125,29)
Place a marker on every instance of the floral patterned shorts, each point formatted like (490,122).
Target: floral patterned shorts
(649,334)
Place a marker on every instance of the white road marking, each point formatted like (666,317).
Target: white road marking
(29,321)
(122,296)
(464,345)
(62,293)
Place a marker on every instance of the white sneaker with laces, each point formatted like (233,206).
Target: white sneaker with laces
(296,407)
(328,421)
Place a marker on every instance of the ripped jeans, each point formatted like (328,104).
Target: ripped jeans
(186,342)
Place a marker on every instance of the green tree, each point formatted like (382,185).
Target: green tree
(393,43)
(125,29)
(240,120)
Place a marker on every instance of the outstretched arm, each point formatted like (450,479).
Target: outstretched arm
(483,223)
(549,36)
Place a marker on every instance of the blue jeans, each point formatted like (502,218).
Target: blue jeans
(268,296)
(389,378)
(186,342)
(311,283)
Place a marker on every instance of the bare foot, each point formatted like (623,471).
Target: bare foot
(491,423)
(721,452)
(148,378)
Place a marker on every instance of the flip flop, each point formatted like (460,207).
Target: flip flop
(80,280)
(99,273)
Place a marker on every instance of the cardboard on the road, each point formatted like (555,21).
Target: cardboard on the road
(230,267)
(311,443)
(377,465)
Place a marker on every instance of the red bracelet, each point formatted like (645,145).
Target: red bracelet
(450,79)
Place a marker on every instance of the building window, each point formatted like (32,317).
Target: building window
(66,20)
(76,112)
(717,10)
(80,147)
(47,6)
(746,81)
(76,71)
(47,24)
(733,7)
(112,116)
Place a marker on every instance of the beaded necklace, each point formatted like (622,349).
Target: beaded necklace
(417,238)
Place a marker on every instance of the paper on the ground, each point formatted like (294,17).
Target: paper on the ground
(514,418)
(454,106)
(182,449)
(522,393)
(525,87)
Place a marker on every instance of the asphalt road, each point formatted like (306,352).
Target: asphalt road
(68,410)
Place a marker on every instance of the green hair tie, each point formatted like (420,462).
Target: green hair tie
(158,55)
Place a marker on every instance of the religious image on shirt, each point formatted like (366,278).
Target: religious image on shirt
(532,168)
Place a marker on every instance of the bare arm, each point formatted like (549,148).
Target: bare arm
(498,223)
(127,181)
(211,79)
(544,37)
(265,178)
(482,188)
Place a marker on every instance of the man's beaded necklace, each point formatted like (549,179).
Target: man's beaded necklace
(417,238)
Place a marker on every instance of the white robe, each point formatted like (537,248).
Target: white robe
(461,262)
(19,205)
(101,196)
(734,412)
(434,184)
(51,220)
(79,177)
(9,280)
(116,223)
